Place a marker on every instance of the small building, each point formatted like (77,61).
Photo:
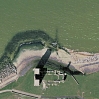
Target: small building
(36,71)
(36,79)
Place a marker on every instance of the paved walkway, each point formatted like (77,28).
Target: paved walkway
(5,91)
(22,93)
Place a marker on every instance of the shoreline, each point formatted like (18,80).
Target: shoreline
(27,56)
(78,59)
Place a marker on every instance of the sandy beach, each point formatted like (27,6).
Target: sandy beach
(78,59)
(27,56)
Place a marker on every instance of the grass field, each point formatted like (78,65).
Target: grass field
(7,95)
(77,22)
(88,84)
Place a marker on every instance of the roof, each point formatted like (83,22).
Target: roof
(36,71)
(36,82)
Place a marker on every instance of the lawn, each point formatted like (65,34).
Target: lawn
(88,84)
(6,95)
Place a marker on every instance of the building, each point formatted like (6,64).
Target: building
(36,76)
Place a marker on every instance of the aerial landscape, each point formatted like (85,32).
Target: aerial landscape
(49,49)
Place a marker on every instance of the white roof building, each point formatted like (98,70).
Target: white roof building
(36,72)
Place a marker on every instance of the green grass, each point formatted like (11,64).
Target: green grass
(50,77)
(88,84)
(6,95)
